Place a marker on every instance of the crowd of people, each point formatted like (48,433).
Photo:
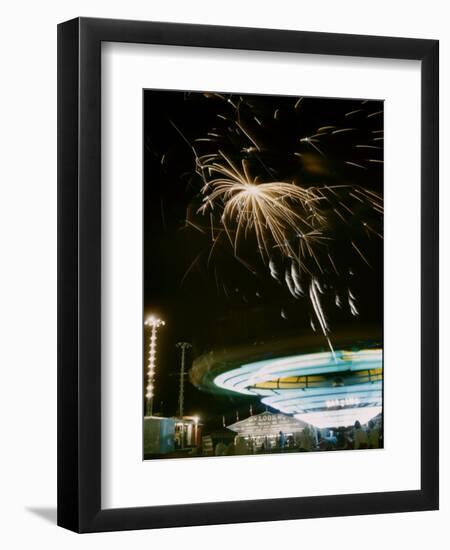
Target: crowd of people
(337,439)
(356,437)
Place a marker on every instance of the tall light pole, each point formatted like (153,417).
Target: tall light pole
(183,346)
(154,323)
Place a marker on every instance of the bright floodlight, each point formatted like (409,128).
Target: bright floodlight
(154,323)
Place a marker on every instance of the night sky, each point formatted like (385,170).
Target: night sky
(213,299)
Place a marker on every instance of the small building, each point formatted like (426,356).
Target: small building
(187,432)
(163,435)
(159,435)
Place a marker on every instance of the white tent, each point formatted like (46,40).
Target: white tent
(267,424)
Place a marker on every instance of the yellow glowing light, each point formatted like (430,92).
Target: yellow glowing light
(154,323)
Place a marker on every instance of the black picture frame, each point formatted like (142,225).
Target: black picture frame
(79,274)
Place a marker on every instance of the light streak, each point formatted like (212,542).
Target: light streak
(325,405)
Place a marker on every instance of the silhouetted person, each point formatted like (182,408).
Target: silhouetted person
(374,436)
(361,441)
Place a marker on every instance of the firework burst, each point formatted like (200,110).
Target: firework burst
(270,210)
(249,194)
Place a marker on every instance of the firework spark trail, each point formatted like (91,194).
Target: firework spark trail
(273,270)
(296,278)
(361,254)
(290,283)
(315,300)
(193,263)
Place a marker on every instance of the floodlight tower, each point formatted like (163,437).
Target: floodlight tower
(154,323)
(183,346)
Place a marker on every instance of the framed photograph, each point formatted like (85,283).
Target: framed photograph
(248,275)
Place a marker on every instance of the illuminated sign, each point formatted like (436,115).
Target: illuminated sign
(267,424)
(346,402)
